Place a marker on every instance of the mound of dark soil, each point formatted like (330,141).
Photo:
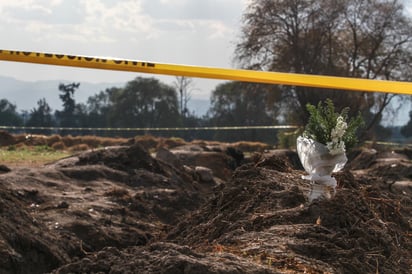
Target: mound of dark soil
(161,258)
(262,214)
(25,242)
(6,138)
(194,210)
(114,197)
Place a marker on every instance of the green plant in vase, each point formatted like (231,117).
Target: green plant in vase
(331,128)
(323,145)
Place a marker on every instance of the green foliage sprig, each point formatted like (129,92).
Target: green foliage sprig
(323,120)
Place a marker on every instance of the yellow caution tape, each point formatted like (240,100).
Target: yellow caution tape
(293,79)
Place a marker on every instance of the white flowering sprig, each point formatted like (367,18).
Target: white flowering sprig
(337,145)
(330,128)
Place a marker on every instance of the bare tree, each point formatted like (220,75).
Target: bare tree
(354,38)
(184,86)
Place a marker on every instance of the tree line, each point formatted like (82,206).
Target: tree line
(149,103)
(350,38)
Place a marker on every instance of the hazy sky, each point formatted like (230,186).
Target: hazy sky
(192,32)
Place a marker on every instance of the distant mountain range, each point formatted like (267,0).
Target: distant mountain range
(25,95)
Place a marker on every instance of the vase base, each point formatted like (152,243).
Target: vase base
(321,192)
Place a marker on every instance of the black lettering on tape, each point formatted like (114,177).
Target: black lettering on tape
(80,58)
